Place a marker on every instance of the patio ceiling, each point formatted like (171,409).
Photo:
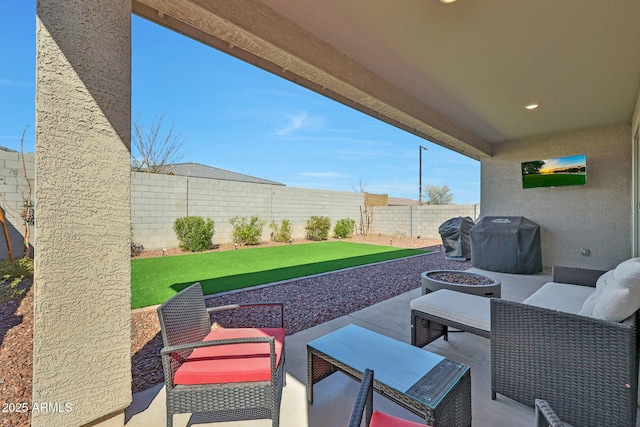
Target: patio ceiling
(457,74)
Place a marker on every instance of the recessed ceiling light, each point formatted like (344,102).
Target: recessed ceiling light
(532,106)
(447,1)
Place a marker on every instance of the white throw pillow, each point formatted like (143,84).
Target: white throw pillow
(604,280)
(619,297)
(589,304)
(630,267)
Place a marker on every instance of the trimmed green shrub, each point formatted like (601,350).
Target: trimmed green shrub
(247,231)
(344,228)
(194,233)
(318,228)
(11,276)
(281,233)
(136,249)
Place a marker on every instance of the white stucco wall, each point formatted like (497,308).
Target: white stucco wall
(596,216)
(82,317)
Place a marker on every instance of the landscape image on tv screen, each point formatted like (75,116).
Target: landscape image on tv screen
(556,172)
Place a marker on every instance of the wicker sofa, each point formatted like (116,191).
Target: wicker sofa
(585,367)
(567,343)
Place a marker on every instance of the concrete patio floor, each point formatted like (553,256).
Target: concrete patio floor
(335,395)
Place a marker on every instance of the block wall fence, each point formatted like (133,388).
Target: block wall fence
(418,220)
(157,200)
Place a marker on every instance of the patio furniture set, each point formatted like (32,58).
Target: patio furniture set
(573,343)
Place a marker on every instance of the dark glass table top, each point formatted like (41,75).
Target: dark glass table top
(425,376)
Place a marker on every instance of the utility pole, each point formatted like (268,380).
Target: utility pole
(420,175)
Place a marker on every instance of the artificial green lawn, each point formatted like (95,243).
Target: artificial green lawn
(154,280)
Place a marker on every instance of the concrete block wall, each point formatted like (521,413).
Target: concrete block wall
(419,220)
(157,200)
(12,186)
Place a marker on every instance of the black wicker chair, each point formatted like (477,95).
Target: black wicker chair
(545,416)
(204,369)
(586,368)
(363,409)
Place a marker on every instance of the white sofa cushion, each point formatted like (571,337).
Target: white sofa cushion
(618,294)
(471,310)
(561,297)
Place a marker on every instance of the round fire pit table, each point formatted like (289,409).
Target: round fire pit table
(460,281)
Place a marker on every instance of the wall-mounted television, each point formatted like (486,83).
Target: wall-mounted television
(555,172)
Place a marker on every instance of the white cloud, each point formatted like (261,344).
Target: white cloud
(301,120)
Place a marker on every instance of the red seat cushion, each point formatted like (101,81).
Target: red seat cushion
(380,419)
(231,363)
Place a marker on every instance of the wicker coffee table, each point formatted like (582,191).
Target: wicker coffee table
(431,386)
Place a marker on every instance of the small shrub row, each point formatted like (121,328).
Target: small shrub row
(318,228)
(194,233)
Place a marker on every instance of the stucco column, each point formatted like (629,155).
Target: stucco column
(81,364)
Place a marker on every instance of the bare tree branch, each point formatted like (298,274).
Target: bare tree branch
(155,150)
(361,188)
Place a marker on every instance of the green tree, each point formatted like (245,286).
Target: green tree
(532,167)
(436,195)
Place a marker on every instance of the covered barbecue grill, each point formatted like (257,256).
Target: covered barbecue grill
(508,244)
(455,237)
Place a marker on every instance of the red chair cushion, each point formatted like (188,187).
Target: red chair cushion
(380,419)
(231,363)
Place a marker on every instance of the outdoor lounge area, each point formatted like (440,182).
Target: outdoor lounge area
(335,396)
(504,83)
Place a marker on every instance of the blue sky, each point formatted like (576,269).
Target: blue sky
(235,116)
